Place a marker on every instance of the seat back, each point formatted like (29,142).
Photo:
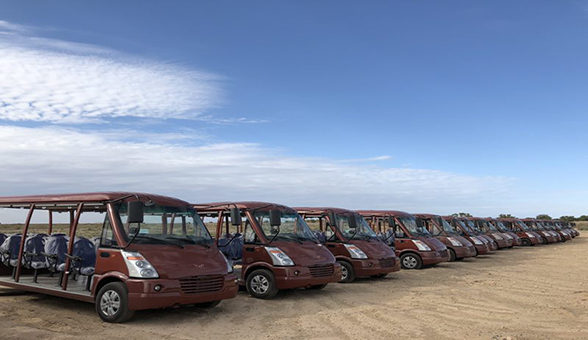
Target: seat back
(56,244)
(9,250)
(3,238)
(85,249)
(233,250)
(320,236)
(35,245)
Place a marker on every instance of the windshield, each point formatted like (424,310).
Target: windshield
(473,226)
(162,224)
(501,226)
(465,227)
(411,225)
(293,227)
(490,225)
(363,230)
(523,225)
(448,228)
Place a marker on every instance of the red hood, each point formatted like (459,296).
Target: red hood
(433,243)
(306,254)
(374,249)
(172,262)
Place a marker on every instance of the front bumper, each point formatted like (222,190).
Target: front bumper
(300,277)
(370,267)
(463,252)
(434,257)
(483,249)
(142,294)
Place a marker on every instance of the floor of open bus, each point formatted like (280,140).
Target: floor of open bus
(44,281)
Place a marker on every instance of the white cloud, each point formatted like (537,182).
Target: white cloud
(56,81)
(52,159)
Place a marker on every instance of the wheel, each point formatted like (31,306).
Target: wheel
(452,255)
(347,272)
(210,304)
(526,242)
(496,245)
(112,303)
(261,284)
(380,276)
(317,287)
(545,241)
(477,253)
(411,261)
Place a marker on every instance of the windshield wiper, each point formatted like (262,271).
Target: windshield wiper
(160,240)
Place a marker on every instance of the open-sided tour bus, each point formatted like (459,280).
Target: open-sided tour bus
(271,247)
(145,251)
(354,244)
(415,246)
(459,247)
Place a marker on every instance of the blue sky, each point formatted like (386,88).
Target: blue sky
(425,106)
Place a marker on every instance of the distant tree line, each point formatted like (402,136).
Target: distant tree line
(539,217)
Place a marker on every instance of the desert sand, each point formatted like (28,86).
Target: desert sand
(524,293)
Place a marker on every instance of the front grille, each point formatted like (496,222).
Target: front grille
(322,270)
(202,284)
(387,263)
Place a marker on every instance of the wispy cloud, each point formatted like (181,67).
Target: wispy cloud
(54,159)
(47,80)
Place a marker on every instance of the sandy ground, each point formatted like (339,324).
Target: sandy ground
(524,293)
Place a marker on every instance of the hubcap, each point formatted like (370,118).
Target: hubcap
(409,262)
(343,273)
(259,284)
(110,303)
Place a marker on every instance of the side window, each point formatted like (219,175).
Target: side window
(398,232)
(249,236)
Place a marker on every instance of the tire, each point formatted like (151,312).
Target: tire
(496,245)
(380,276)
(544,240)
(347,272)
(452,256)
(112,303)
(210,304)
(317,287)
(526,242)
(411,261)
(261,284)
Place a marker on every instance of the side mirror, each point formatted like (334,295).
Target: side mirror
(135,212)
(275,218)
(235,216)
(352,222)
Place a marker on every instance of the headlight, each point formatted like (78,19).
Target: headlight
(355,252)
(476,240)
(279,258)
(508,237)
(530,235)
(498,237)
(138,266)
(421,245)
(229,265)
(455,242)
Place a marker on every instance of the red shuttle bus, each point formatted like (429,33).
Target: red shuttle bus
(459,247)
(481,244)
(516,240)
(528,237)
(546,235)
(354,244)
(414,245)
(151,252)
(271,246)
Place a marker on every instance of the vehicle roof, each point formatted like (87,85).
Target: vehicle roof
(384,213)
(322,210)
(243,205)
(92,197)
(426,215)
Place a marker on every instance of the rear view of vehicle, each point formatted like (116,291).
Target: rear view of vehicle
(271,247)
(415,246)
(354,244)
(459,247)
(481,245)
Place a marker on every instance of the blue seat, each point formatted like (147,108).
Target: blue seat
(2,238)
(34,248)
(55,250)
(83,257)
(9,250)
(231,246)
(320,236)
